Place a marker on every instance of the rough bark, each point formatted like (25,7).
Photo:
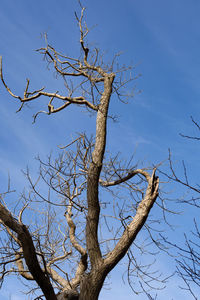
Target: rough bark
(91,285)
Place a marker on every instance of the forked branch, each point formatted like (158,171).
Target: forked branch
(137,223)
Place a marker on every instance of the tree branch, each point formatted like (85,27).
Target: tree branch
(94,174)
(136,224)
(124,179)
(29,252)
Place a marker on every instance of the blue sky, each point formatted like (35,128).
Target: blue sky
(162,38)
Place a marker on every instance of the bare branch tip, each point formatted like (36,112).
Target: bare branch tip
(1,65)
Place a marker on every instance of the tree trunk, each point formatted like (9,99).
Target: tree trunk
(91,285)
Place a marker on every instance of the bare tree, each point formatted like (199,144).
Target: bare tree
(188,261)
(76,237)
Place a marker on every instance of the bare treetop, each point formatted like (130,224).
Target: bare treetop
(73,246)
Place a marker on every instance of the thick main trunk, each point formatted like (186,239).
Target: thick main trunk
(91,286)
